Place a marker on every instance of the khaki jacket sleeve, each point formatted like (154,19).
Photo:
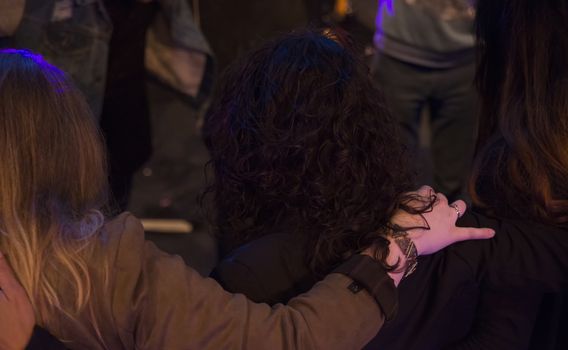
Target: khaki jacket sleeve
(160,303)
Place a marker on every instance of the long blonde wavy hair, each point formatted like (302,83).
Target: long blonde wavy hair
(52,184)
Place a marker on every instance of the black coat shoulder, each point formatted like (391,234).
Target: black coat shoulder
(270,269)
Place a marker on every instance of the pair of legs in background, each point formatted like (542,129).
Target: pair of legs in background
(450,97)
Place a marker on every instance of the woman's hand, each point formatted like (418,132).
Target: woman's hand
(16,313)
(436,229)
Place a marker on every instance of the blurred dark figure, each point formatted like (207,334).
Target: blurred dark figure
(181,68)
(125,117)
(426,59)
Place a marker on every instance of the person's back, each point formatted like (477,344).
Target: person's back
(307,162)
(530,190)
(522,164)
(289,139)
(271,269)
(438,301)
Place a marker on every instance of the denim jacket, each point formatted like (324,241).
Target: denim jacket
(177,52)
(73,35)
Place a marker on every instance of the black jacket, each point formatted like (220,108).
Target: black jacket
(473,295)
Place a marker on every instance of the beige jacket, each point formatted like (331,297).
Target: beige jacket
(154,301)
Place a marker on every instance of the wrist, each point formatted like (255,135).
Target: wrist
(370,275)
(404,252)
(396,258)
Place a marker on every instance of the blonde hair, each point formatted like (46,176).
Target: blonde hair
(52,184)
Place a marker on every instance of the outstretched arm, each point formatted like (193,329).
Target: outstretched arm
(174,305)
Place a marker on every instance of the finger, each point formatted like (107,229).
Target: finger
(8,282)
(3,296)
(459,207)
(441,198)
(467,233)
(425,191)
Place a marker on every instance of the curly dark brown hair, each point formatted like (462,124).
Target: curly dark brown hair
(301,139)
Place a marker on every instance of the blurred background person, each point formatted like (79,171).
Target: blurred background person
(425,60)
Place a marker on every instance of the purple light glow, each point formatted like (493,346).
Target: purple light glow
(55,76)
(384,6)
